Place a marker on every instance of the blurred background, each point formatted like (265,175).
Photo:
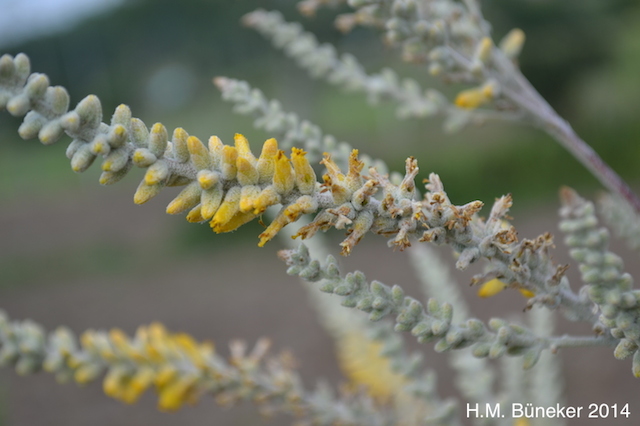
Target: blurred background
(77,254)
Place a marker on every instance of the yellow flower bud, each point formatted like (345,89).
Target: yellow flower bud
(179,144)
(526,293)
(229,159)
(215,150)
(199,153)
(86,373)
(244,150)
(156,173)
(283,179)
(471,99)
(141,381)
(175,394)
(268,197)
(187,199)
(210,200)
(158,139)
(207,178)
(166,374)
(289,214)
(113,383)
(266,160)
(247,198)
(247,174)
(305,175)
(353,180)
(146,192)
(229,207)
(511,44)
(483,50)
(491,288)
(194,216)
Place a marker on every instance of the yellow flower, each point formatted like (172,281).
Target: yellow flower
(478,96)
(176,393)
(511,44)
(470,99)
(491,288)
(495,286)
(360,360)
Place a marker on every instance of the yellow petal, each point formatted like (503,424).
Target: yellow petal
(229,159)
(305,176)
(195,216)
(242,145)
(491,288)
(526,293)
(247,174)
(512,43)
(199,153)
(470,99)
(248,196)
(187,199)
(266,161)
(227,210)
(283,179)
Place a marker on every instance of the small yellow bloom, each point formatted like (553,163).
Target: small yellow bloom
(187,199)
(248,197)
(305,176)
(491,288)
(86,373)
(268,197)
(471,99)
(207,178)
(215,150)
(242,145)
(199,153)
(247,174)
(283,179)
(142,380)
(195,216)
(228,209)
(165,375)
(175,394)
(114,383)
(229,160)
(495,286)
(304,204)
(483,50)
(360,360)
(511,44)
(210,201)
(526,293)
(145,192)
(267,159)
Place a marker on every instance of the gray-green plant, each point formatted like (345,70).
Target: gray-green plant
(229,186)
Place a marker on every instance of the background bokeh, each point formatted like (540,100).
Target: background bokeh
(75,253)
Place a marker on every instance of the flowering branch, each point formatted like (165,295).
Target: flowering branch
(322,61)
(228,186)
(433,323)
(181,370)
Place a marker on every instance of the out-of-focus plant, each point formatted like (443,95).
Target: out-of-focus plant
(228,186)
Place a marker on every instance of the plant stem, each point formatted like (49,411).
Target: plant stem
(567,341)
(545,117)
